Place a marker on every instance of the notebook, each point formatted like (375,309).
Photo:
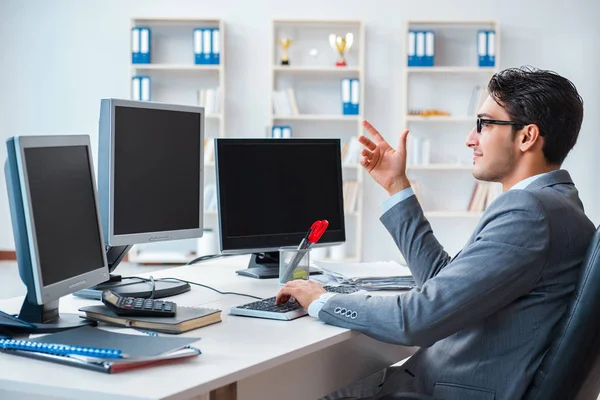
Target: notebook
(186,319)
(103,351)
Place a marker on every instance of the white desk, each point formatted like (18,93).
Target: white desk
(257,358)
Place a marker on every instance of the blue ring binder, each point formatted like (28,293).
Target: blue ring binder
(60,349)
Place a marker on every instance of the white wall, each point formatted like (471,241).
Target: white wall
(59,57)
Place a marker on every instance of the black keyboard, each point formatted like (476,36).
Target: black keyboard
(266,308)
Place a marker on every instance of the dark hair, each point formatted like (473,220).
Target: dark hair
(544,98)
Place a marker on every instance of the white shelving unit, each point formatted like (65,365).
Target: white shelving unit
(445,183)
(176,79)
(316,80)
(175,67)
(316,117)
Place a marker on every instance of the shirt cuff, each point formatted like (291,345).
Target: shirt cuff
(316,305)
(396,198)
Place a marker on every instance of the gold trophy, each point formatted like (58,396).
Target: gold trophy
(285,43)
(341,44)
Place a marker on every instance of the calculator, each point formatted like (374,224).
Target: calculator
(137,306)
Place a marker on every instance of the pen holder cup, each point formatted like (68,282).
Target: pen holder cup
(293,264)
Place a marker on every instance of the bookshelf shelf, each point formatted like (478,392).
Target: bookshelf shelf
(457,70)
(447,167)
(176,21)
(453,214)
(317,117)
(175,67)
(455,24)
(309,69)
(305,97)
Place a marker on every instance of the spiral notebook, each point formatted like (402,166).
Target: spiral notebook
(103,351)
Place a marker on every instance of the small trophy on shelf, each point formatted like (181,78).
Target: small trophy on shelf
(341,44)
(285,43)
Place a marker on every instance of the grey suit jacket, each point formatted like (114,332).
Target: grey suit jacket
(484,319)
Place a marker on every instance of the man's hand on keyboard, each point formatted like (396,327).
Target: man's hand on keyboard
(304,291)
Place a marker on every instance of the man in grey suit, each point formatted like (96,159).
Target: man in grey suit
(485,318)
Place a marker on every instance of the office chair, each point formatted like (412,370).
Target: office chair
(571,367)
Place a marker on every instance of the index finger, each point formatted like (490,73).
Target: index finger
(372,131)
(283,296)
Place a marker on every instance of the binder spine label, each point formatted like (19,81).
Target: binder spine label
(135,45)
(429,48)
(420,52)
(354,96)
(486,48)
(206,45)
(216,46)
(198,57)
(144,46)
(411,46)
(345,95)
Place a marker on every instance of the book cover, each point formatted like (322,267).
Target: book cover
(104,351)
(187,318)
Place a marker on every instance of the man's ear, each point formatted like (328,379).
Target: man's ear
(529,136)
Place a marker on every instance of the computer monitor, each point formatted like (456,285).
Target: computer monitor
(56,224)
(150,183)
(270,191)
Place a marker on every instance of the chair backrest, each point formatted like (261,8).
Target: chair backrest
(571,367)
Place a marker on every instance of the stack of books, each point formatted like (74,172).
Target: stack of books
(483,195)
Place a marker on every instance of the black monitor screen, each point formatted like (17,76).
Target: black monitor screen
(64,211)
(271,191)
(157,167)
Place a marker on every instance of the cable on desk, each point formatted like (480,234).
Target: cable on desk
(212,256)
(210,288)
(153,287)
(205,258)
(192,283)
(139,280)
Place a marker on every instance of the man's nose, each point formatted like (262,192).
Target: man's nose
(472,138)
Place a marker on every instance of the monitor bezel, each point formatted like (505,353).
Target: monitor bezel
(111,238)
(229,246)
(47,293)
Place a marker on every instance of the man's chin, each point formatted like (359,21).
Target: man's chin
(479,175)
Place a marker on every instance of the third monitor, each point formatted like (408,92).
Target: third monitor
(271,191)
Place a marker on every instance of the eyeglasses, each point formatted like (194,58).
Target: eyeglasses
(482,121)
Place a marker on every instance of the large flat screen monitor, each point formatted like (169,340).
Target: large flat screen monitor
(270,191)
(150,182)
(56,223)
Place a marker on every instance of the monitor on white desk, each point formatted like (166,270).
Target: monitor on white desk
(150,183)
(270,191)
(56,224)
